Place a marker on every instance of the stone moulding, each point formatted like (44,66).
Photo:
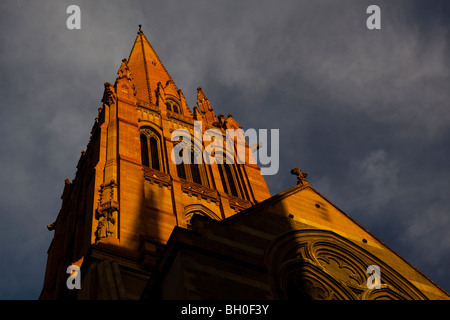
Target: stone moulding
(238,204)
(158,177)
(181,117)
(200,191)
(146,105)
(107,205)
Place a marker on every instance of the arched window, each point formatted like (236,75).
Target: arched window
(144,151)
(150,150)
(173,106)
(193,172)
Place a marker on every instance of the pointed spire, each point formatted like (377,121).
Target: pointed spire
(146,68)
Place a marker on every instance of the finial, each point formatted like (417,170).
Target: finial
(301,176)
(140,26)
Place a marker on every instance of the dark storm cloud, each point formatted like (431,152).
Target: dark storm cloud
(365,113)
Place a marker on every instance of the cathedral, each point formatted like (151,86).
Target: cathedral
(135,225)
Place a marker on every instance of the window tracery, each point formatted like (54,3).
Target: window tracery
(151,155)
(192,171)
(320,264)
(172,105)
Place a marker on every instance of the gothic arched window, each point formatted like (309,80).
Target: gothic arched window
(150,150)
(173,106)
(193,172)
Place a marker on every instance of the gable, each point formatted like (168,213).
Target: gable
(303,208)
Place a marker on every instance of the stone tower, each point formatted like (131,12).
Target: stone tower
(127,195)
(140,226)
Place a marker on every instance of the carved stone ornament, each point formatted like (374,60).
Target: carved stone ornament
(124,71)
(230,123)
(125,78)
(109,97)
(320,264)
(106,225)
(221,121)
(160,95)
(107,212)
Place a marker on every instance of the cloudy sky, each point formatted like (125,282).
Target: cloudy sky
(364,112)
